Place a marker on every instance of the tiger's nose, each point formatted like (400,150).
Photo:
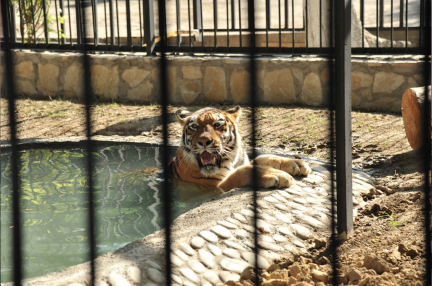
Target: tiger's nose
(204,142)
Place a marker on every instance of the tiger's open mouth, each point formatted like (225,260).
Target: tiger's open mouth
(207,158)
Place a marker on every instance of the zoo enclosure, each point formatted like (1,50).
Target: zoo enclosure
(341,52)
(282,26)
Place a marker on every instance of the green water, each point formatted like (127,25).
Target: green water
(54,204)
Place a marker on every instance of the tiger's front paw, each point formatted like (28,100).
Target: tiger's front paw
(295,167)
(273,178)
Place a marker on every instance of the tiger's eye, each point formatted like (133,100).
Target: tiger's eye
(217,125)
(194,126)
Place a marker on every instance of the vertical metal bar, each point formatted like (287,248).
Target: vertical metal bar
(287,13)
(215,22)
(406,23)
(280,28)
(12,23)
(343,117)
(149,28)
(189,24)
(70,24)
(362,21)
(128,24)
(33,19)
(202,24)
(197,10)
(240,25)
(178,24)
(293,28)
(306,26)
(112,27)
(233,14)
(421,23)
(253,83)
(118,23)
(62,25)
(268,20)
(140,23)
(401,13)
(381,13)
(10,92)
(57,21)
(320,21)
(391,18)
(377,24)
(106,24)
(227,24)
(88,147)
(95,22)
(165,154)
(78,21)
(21,22)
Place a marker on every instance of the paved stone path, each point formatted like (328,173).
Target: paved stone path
(214,243)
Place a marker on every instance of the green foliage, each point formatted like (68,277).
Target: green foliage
(32,17)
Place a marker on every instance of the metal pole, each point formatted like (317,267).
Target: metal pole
(343,117)
(197,18)
(128,23)
(149,27)
(62,26)
(95,23)
(112,27)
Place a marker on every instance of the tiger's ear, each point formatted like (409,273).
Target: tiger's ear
(235,112)
(182,115)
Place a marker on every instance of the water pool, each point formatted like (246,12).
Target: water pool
(53,203)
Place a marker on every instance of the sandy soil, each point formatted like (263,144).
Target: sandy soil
(390,230)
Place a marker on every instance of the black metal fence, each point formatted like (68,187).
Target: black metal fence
(282,26)
(341,104)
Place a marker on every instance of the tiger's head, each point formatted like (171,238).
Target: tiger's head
(211,141)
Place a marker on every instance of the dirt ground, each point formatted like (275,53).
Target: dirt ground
(387,246)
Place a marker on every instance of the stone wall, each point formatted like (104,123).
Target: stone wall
(377,82)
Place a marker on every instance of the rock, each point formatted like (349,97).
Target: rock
(234,221)
(180,254)
(191,72)
(240,86)
(189,274)
(240,217)
(176,260)
(242,234)
(197,242)
(117,280)
(371,261)
(263,204)
(176,279)
(282,207)
(320,275)
(134,274)
(280,198)
(48,79)
(153,264)
(301,231)
(221,231)
(155,276)
(212,277)
(365,281)
(274,282)
(209,236)
(313,222)
(279,238)
(247,212)
(354,275)
(320,243)
(313,266)
(227,224)
(248,274)
(105,81)
(411,251)
(300,201)
(285,231)
(206,258)
(387,82)
(270,246)
(186,249)
(272,200)
(263,225)
(279,86)
(227,276)
(234,245)
(134,76)
(214,249)
(196,266)
(298,243)
(233,265)
(323,260)
(231,253)
(283,217)
(250,258)
(75,284)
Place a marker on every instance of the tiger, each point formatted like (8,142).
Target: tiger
(212,154)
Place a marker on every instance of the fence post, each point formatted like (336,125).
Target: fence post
(78,21)
(149,27)
(128,23)
(112,26)
(62,26)
(95,22)
(13,37)
(197,18)
(342,14)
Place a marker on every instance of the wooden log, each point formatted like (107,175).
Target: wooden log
(412,114)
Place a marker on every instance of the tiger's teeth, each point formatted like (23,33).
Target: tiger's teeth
(214,161)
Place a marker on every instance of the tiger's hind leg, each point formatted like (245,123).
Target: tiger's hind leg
(293,167)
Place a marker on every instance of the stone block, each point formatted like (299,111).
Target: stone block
(191,72)
(134,76)
(190,89)
(25,87)
(73,81)
(279,86)
(312,91)
(215,84)
(172,83)
(240,86)
(360,79)
(387,82)
(298,75)
(142,92)
(105,81)
(48,79)
(25,70)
